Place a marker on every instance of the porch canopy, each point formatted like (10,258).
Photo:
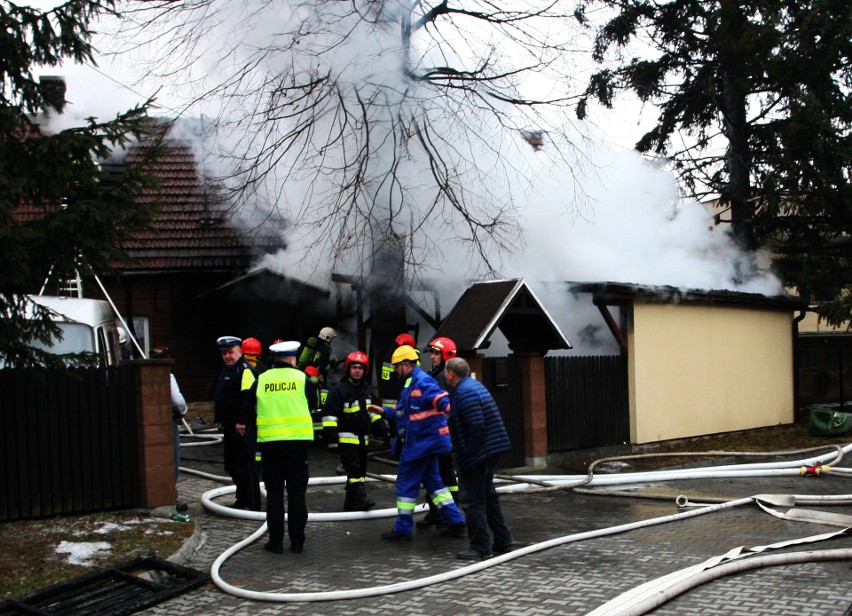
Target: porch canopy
(507,305)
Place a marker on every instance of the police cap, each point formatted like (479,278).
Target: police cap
(284,349)
(226,342)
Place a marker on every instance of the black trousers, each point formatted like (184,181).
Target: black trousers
(239,452)
(354,460)
(285,466)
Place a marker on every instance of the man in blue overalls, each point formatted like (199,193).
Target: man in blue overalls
(421,434)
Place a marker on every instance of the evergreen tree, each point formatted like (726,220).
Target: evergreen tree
(56,203)
(769,79)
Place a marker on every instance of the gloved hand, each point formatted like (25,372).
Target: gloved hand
(312,372)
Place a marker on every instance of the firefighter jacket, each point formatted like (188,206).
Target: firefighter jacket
(345,419)
(284,396)
(477,427)
(437,373)
(232,393)
(420,417)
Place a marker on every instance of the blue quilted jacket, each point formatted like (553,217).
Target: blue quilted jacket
(476,426)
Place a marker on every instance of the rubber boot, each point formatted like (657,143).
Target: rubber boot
(352,500)
(365,503)
(432,518)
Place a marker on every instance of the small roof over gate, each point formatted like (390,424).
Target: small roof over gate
(507,305)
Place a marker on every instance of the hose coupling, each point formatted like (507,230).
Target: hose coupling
(814,470)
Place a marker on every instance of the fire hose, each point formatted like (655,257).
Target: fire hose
(553,482)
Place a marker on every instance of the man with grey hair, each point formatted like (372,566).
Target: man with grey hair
(479,437)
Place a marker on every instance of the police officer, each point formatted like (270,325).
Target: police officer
(345,418)
(231,396)
(421,434)
(283,397)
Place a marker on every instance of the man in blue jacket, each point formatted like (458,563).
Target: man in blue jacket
(479,437)
(421,434)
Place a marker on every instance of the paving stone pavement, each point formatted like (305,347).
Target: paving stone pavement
(573,578)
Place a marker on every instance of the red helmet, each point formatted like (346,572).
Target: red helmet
(356,357)
(446,346)
(405,338)
(252,346)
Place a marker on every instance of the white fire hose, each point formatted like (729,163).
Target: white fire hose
(534,483)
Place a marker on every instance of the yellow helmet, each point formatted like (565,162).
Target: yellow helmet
(403,353)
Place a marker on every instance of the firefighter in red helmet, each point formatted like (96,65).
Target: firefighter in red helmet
(345,421)
(252,351)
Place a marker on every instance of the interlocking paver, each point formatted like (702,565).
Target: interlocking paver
(568,579)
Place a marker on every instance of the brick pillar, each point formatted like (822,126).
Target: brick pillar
(156,437)
(534,406)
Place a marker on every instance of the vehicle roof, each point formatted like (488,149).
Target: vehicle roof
(77,309)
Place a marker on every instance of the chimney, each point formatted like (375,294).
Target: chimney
(53,91)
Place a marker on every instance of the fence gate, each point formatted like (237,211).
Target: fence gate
(69,441)
(587,404)
(502,378)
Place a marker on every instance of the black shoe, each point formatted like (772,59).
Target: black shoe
(504,549)
(366,504)
(393,535)
(454,531)
(181,506)
(433,518)
(275,548)
(297,548)
(471,555)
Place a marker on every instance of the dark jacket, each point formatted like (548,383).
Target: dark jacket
(231,396)
(476,426)
(344,413)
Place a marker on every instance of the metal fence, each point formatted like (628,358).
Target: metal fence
(587,404)
(69,441)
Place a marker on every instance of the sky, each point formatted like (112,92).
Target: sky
(618,218)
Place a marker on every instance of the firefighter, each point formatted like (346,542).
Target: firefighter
(441,349)
(282,398)
(346,421)
(252,351)
(421,434)
(314,360)
(390,385)
(230,397)
(316,355)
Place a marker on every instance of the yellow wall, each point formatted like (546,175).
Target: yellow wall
(696,370)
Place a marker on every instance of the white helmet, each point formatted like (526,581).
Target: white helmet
(327,334)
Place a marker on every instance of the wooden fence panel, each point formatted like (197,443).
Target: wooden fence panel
(503,379)
(69,441)
(587,404)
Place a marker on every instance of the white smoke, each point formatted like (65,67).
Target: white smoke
(615,217)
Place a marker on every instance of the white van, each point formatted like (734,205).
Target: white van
(88,326)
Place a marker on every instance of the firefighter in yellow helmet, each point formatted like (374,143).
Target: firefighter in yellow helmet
(421,434)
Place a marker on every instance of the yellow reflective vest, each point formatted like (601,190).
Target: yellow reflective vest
(282,406)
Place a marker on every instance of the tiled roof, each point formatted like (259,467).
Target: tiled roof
(194,228)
